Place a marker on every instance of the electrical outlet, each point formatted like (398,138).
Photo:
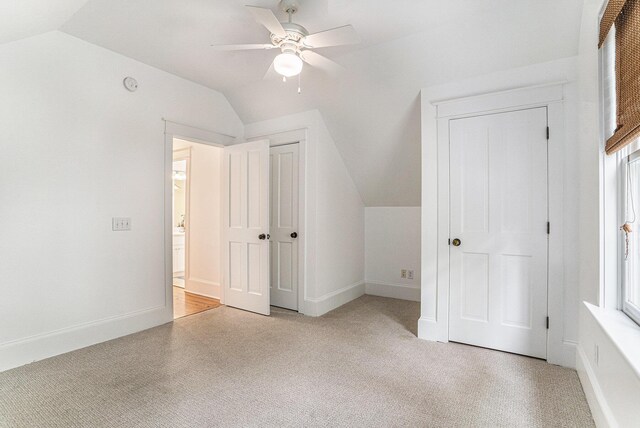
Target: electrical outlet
(403,274)
(120,223)
(410,274)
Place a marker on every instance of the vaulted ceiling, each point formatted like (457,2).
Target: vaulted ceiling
(371,109)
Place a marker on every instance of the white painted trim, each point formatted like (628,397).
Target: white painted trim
(559,351)
(197,135)
(435,215)
(284,137)
(428,329)
(394,291)
(168,223)
(600,411)
(496,101)
(23,351)
(622,331)
(442,311)
(427,326)
(330,301)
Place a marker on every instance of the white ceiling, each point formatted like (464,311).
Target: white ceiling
(25,18)
(372,109)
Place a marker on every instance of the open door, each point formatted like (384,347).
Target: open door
(246,226)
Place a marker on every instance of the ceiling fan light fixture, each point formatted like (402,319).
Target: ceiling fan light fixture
(288,64)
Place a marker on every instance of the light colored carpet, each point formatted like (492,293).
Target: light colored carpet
(360,365)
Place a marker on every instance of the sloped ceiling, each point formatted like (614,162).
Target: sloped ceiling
(372,109)
(25,18)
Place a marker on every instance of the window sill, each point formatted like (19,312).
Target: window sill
(623,332)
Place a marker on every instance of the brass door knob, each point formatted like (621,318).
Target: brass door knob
(456,242)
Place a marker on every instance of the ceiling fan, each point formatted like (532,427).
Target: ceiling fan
(294,41)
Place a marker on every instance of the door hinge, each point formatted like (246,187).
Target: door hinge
(547,323)
(547,132)
(548,228)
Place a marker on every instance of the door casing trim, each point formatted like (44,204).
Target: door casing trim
(434,325)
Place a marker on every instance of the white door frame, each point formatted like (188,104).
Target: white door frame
(298,136)
(435,203)
(196,135)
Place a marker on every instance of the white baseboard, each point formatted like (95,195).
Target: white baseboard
(562,354)
(321,305)
(394,291)
(600,410)
(203,287)
(428,329)
(24,351)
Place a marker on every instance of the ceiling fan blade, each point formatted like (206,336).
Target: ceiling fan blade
(321,62)
(242,47)
(268,19)
(335,37)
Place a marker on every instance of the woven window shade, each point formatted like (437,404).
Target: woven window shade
(627,23)
(609,17)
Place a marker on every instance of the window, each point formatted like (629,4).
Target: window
(630,287)
(628,170)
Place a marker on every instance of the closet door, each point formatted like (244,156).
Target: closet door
(498,231)
(284,226)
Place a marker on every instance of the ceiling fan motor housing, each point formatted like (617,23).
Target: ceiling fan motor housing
(295,34)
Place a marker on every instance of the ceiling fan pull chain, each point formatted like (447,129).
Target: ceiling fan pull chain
(299,79)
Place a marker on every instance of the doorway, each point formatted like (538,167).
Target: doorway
(498,253)
(196,225)
(246,178)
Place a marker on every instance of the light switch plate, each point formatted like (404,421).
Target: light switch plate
(409,274)
(121,223)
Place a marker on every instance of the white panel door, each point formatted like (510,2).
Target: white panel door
(246,226)
(498,209)
(284,226)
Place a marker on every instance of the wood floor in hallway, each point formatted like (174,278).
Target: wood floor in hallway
(185,303)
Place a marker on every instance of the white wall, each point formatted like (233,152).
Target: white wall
(77,150)
(392,243)
(608,366)
(334,213)
(608,351)
(339,221)
(203,273)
